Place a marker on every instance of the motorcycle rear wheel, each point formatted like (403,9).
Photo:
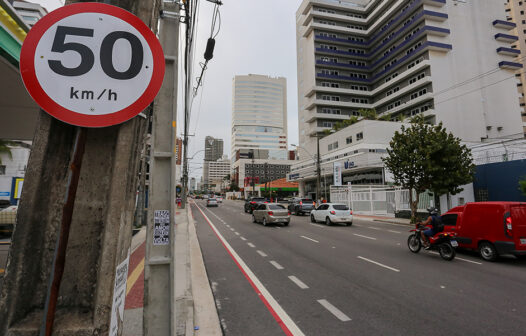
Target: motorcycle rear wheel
(414,244)
(447,252)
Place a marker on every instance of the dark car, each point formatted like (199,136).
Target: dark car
(300,206)
(251,203)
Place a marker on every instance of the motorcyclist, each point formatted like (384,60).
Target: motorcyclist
(435,221)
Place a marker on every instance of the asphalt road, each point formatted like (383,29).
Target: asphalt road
(361,280)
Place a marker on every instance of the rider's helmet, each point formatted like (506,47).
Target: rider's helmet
(432,210)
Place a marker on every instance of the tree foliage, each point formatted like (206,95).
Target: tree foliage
(425,157)
(5,149)
(522,185)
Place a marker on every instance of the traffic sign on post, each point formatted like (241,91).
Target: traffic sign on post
(92,64)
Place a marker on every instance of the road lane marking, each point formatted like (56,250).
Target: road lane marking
(275,264)
(243,238)
(232,229)
(310,239)
(298,282)
(364,236)
(261,253)
(237,233)
(279,314)
(134,276)
(377,263)
(335,311)
(251,245)
(393,231)
(374,228)
(466,260)
(318,225)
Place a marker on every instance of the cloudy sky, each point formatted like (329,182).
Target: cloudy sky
(255,37)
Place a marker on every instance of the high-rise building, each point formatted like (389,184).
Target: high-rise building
(30,12)
(450,61)
(515,15)
(213,148)
(216,171)
(259,116)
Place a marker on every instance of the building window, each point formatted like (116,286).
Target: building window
(2,170)
(348,140)
(359,136)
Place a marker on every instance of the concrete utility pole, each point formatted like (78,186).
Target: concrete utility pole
(159,270)
(318,170)
(101,225)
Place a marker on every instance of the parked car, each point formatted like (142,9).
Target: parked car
(205,197)
(219,199)
(7,220)
(332,213)
(251,203)
(211,202)
(300,206)
(492,228)
(267,213)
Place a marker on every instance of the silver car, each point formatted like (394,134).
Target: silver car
(267,213)
(211,202)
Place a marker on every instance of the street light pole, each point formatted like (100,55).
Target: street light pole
(318,170)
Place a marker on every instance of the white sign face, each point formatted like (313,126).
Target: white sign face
(93,63)
(119,297)
(337,173)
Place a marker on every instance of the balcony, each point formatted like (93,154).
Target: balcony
(312,103)
(435,16)
(510,65)
(504,24)
(325,89)
(311,116)
(435,3)
(508,51)
(506,38)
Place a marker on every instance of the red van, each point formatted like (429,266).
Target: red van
(492,228)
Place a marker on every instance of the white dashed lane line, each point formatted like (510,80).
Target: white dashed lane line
(309,239)
(251,245)
(393,231)
(237,233)
(261,253)
(275,264)
(377,263)
(335,311)
(298,282)
(466,260)
(243,238)
(372,238)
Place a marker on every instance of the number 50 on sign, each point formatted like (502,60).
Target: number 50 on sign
(92,64)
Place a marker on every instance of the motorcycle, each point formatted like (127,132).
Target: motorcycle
(443,242)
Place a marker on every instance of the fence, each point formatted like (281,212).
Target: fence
(377,200)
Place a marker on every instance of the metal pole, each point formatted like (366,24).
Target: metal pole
(318,170)
(62,244)
(253,188)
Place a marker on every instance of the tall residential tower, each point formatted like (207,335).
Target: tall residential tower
(448,60)
(259,116)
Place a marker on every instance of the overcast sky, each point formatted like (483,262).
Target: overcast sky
(256,37)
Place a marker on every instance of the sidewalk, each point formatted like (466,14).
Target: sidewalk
(201,317)
(390,220)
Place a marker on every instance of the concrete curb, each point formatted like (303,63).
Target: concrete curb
(205,312)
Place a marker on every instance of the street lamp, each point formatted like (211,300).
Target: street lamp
(318,162)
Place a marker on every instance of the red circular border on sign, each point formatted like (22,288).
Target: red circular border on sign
(27,66)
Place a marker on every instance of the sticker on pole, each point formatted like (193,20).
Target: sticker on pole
(92,64)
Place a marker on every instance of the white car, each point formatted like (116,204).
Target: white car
(219,199)
(332,213)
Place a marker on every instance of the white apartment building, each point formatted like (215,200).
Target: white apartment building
(358,149)
(450,60)
(259,115)
(30,12)
(216,171)
(515,14)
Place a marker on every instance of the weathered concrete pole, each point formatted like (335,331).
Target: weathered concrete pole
(101,226)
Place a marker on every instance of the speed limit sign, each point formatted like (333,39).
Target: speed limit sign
(92,64)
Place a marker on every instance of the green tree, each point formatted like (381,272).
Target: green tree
(522,185)
(368,114)
(425,157)
(5,149)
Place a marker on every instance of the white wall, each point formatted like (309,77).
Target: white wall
(467,195)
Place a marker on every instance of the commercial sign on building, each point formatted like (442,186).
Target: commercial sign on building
(349,164)
(337,173)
